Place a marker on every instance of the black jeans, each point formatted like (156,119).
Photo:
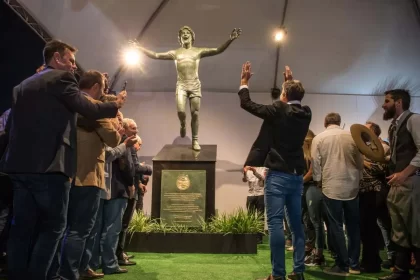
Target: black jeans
(128,215)
(369,231)
(256,204)
(40,202)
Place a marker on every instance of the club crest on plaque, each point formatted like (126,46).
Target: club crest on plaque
(183,182)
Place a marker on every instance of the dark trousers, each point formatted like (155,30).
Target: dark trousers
(347,257)
(256,204)
(369,231)
(83,208)
(315,207)
(40,204)
(306,220)
(128,215)
(6,202)
(5,220)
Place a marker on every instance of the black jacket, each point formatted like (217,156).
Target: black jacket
(123,172)
(40,135)
(279,143)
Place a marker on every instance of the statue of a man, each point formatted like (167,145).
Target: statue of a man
(187,59)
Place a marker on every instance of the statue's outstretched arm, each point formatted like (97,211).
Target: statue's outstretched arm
(214,51)
(164,56)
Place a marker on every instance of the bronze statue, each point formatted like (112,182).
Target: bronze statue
(187,59)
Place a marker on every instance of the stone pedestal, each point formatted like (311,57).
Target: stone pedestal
(184,184)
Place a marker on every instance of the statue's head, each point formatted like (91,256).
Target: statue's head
(186,35)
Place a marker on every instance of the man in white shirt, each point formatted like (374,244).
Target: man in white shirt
(338,164)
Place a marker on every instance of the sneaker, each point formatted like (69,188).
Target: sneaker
(354,271)
(337,271)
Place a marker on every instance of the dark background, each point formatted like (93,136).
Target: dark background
(20,53)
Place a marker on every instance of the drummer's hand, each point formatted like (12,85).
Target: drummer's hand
(396,178)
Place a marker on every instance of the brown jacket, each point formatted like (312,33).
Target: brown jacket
(91,143)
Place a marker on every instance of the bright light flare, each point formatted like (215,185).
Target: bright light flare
(132,57)
(279,35)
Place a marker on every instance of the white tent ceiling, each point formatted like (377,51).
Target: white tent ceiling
(333,46)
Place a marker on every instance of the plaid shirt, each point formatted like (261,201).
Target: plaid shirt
(374,177)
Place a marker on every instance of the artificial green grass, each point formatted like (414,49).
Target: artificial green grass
(152,266)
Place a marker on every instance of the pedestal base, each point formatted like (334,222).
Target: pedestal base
(181,177)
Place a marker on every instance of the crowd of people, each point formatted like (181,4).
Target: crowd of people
(309,182)
(71,177)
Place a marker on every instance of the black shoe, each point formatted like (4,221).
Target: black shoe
(336,271)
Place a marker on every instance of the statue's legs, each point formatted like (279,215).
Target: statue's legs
(181,98)
(195,109)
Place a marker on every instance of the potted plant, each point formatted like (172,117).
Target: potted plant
(234,233)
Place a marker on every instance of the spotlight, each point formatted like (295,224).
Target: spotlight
(131,57)
(280,33)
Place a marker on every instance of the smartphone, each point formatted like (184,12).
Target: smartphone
(125,85)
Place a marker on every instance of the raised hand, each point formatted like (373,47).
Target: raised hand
(235,33)
(287,74)
(246,72)
(121,97)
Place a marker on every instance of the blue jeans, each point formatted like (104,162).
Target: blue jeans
(347,257)
(282,189)
(40,204)
(107,229)
(83,207)
(315,210)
